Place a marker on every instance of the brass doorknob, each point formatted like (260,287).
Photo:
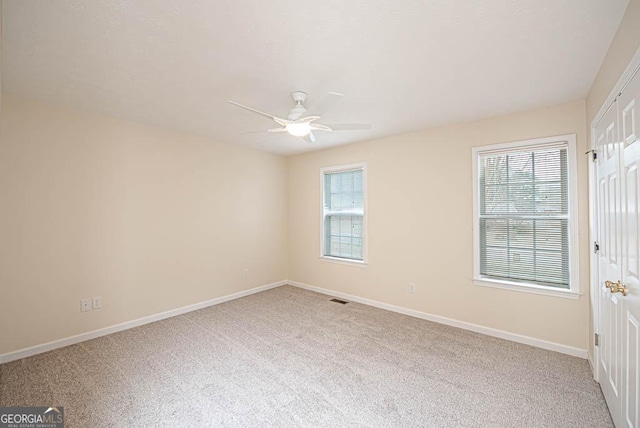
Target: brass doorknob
(616,287)
(609,284)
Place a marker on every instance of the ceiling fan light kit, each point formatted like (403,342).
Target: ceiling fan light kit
(300,121)
(298,129)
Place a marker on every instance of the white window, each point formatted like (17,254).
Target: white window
(343,213)
(525,217)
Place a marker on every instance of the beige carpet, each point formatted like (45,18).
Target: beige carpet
(289,357)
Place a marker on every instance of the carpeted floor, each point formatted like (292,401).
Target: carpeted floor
(289,357)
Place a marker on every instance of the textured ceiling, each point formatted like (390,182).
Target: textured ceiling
(403,65)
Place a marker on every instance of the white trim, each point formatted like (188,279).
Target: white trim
(568,141)
(631,69)
(49,346)
(592,366)
(528,288)
(343,168)
(341,261)
(514,337)
(593,258)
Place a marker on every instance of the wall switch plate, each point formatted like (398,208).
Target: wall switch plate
(412,287)
(245,272)
(97,302)
(85,305)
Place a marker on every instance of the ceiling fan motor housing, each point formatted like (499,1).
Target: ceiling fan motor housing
(299,98)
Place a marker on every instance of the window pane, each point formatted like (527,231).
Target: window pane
(335,202)
(357,181)
(548,164)
(549,198)
(346,201)
(549,270)
(345,226)
(521,265)
(356,226)
(357,251)
(496,232)
(520,167)
(521,233)
(521,200)
(495,262)
(549,234)
(335,182)
(335,245)
(493,170)
(494,199)
(347,182)
(358,202)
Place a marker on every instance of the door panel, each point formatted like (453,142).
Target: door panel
(631,224)
(613,214)
(614,345)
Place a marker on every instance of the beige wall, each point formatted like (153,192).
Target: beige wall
(420,226)
(151,220)
(624,45)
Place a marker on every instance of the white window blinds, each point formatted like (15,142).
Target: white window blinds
(524,215)
(344,214)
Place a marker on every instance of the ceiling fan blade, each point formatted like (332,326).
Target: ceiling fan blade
(309,138)
(277,130)
(270,116)
(282,122)
(325,104)
(307,119)
(348,126)
(319,127)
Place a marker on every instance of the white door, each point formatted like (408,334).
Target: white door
(609,258)
(618,193)
(629,124)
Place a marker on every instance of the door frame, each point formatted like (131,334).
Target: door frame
(594,302)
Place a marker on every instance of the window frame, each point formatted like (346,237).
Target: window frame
(568,141)
(336,169)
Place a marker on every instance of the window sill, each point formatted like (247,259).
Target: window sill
(348,262)
(527,288)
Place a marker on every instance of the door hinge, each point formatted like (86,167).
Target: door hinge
(596,247)
(594,154)
(597,339)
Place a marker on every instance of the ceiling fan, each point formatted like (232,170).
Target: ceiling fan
(301,122)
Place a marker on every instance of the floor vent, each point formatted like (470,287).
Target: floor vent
(342,302)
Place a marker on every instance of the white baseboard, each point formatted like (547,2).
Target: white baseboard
(60,343)
(557,347)
(49,346)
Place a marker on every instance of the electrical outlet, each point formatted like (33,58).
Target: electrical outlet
(245,272)
(97,302)
(85,305)
(412,287)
